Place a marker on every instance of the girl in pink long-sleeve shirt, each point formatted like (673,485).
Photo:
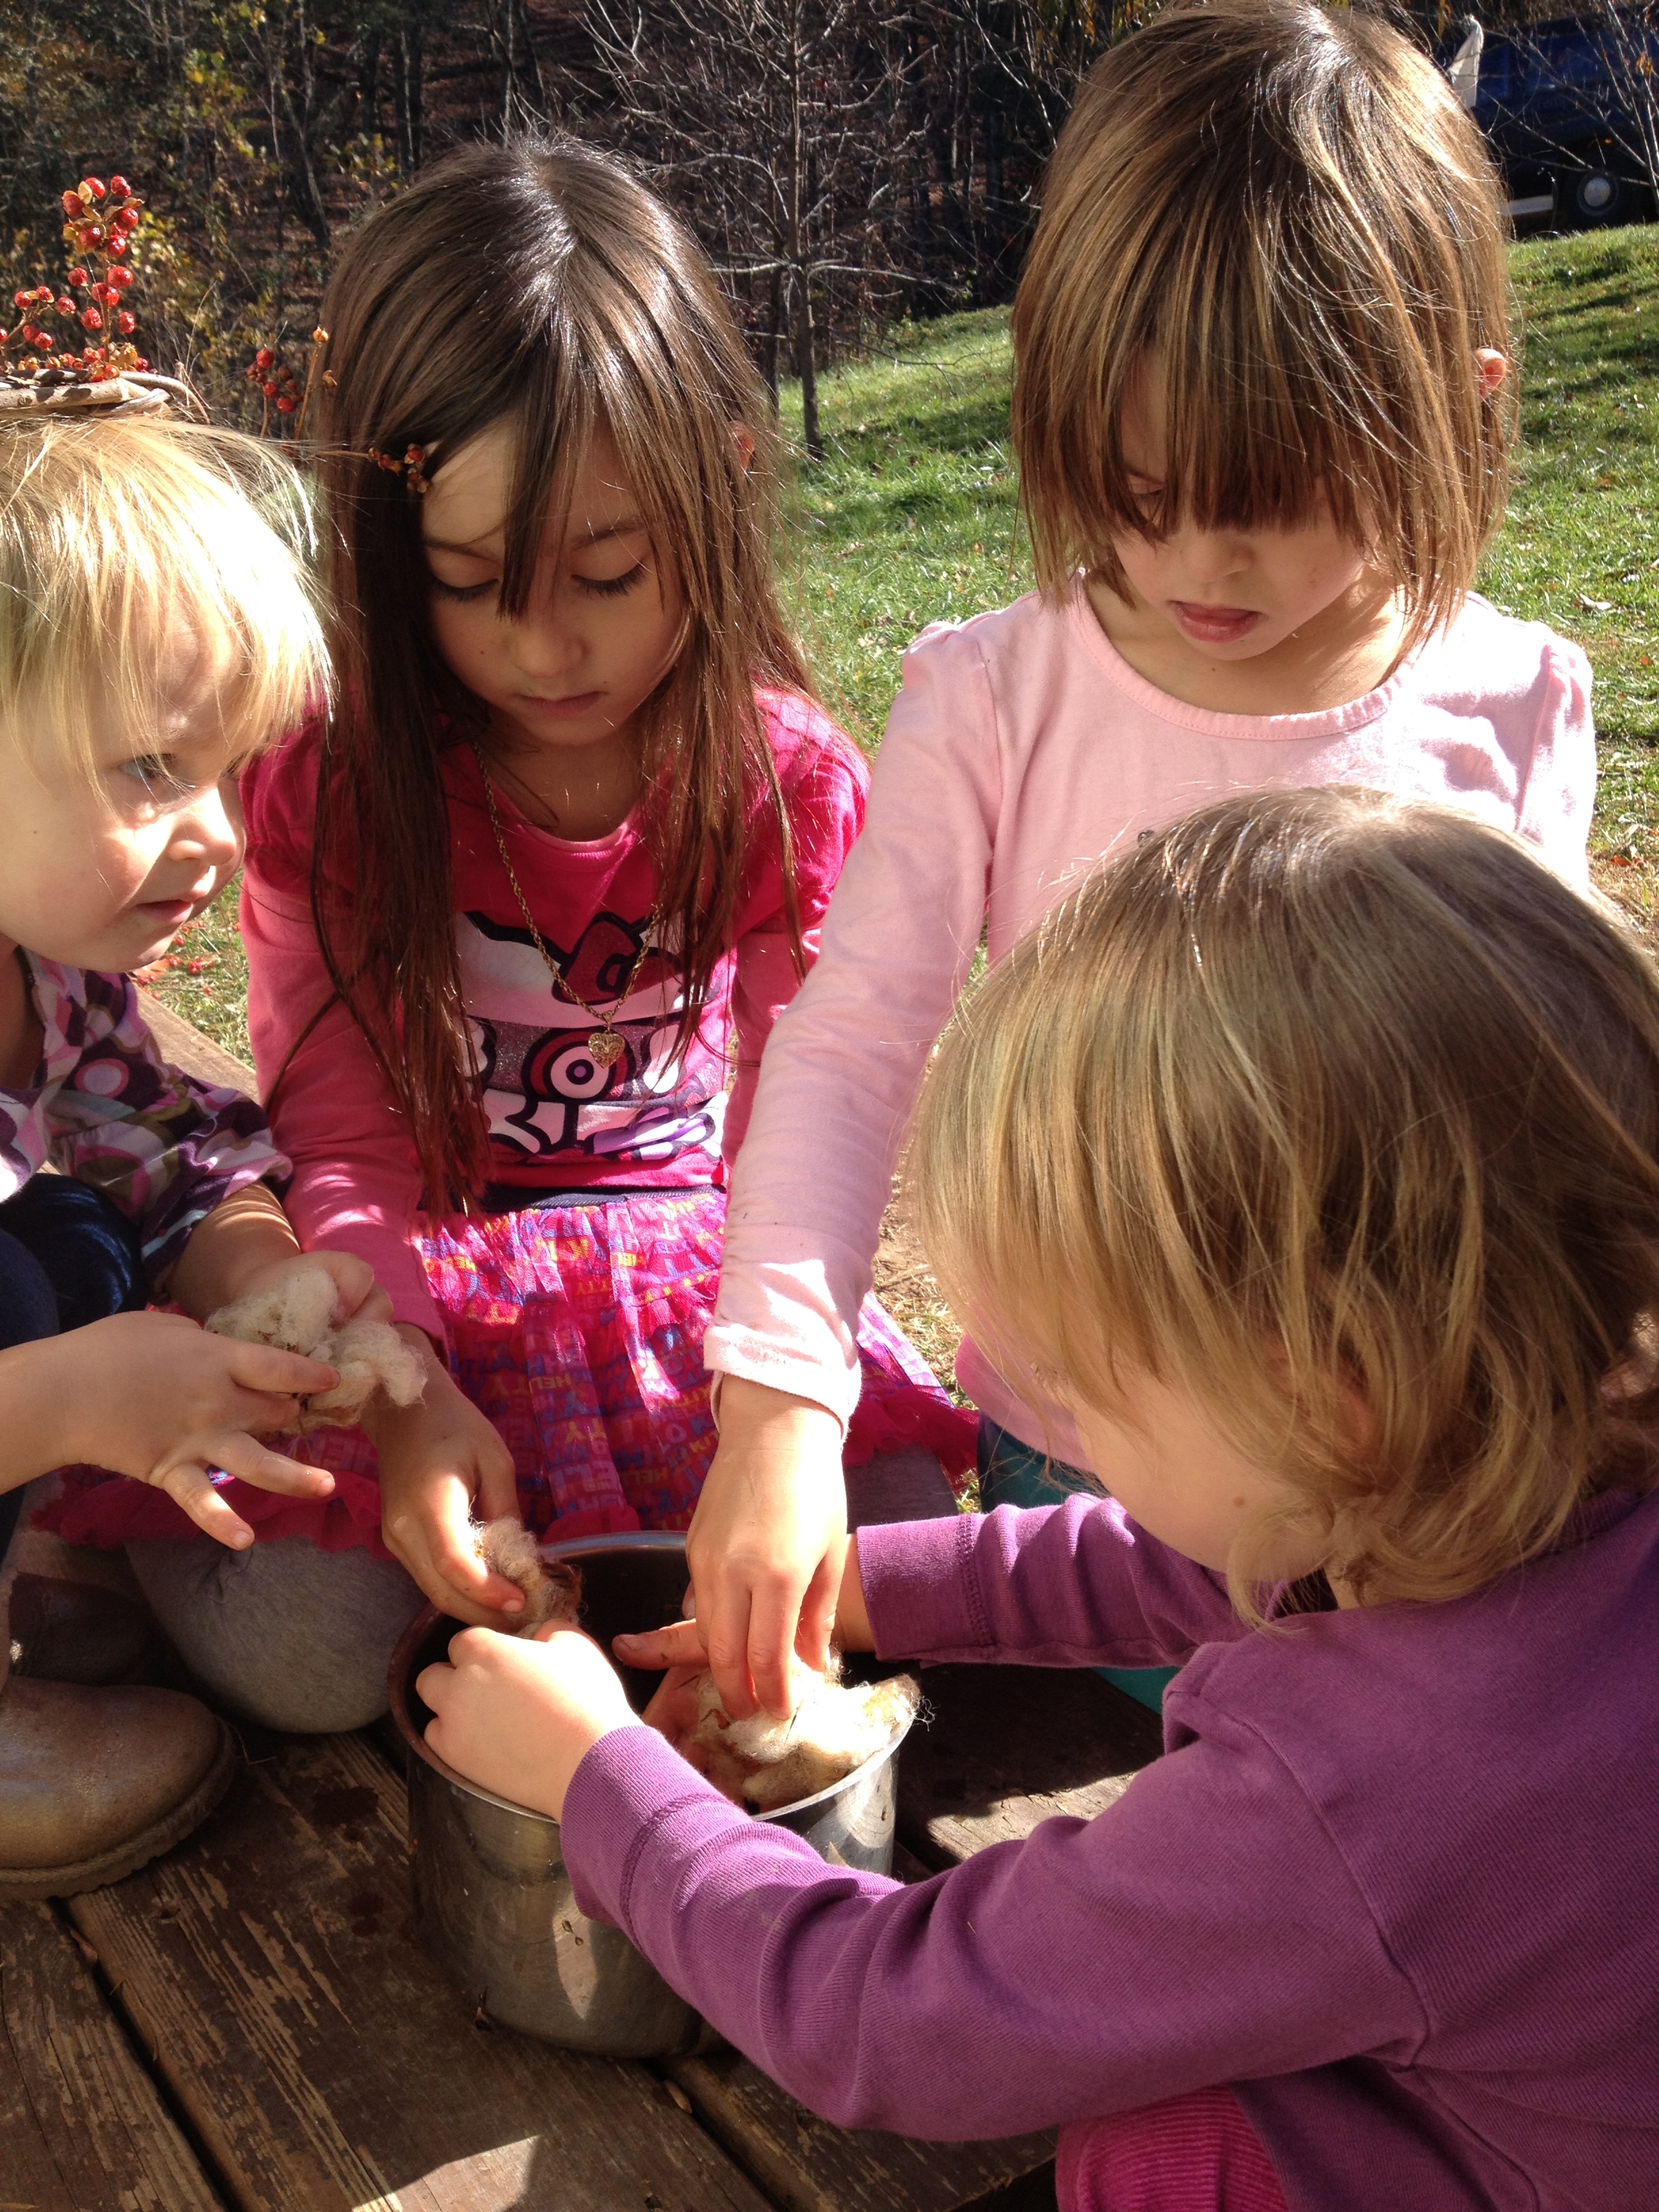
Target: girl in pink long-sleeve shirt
(1261,409)
(554,863)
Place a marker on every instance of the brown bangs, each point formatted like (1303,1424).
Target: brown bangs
(1277,230)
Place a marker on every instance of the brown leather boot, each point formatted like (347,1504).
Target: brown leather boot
(71,1632)
(95,1782)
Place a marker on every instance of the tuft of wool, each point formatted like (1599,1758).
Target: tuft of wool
(296,1314)
(552,1590)
(764,1762)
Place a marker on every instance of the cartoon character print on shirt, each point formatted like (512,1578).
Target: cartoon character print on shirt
(544,1092)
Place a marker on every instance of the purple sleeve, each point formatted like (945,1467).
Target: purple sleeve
(162,1146)
(1204,1928)
(1071,1585)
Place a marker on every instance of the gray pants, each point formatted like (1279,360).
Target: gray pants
(283,1634)
(300,1640)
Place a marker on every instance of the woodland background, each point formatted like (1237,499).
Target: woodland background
(851,164)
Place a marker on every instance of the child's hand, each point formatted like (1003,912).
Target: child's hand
(357,1293)
(442,1465)
(153,1396)
(673,1711)
(678,1650)
(517,1715)
(767,1543)
(248,1242)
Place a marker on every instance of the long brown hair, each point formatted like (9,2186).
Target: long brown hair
(1320,1100)
(535,284)
(1280,212)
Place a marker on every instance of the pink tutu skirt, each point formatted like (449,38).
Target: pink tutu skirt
(578,1329)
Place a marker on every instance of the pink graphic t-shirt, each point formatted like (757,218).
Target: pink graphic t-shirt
(559,1119)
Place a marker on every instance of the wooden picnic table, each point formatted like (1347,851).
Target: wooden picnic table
(247,2025)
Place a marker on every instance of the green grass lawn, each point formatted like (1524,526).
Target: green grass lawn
(913,517)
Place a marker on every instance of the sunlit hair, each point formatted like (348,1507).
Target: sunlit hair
(1278,215)
(114,534)
(540,286)
(1344,1113)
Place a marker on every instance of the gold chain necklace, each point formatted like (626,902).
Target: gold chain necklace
(605,1046)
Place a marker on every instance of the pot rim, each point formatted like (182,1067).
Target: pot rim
(575,1548)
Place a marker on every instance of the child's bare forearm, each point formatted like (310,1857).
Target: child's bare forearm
(246,1232)
(33,1381)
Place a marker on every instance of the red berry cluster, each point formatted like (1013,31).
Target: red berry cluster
(99,221)
(411,468)
(279,387)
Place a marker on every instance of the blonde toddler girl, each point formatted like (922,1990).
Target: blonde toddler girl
(1310,1158)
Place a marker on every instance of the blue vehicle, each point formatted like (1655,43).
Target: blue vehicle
(1570,108)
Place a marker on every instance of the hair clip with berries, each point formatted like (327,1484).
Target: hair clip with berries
(411,468)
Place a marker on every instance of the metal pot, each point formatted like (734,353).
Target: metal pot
(492,1903)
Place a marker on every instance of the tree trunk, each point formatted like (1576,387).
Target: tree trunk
(806,367)
(369,83)
(768,350)
(409,63)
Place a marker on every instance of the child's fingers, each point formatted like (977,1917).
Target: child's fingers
(241,1454)
(498,1482)
(461,1568)
(354,1284)
(267,1369)
(434,1542)
(673,1708)
(728,1633)
(262,1413)
(771,1647)
(816,1627)
(189,1486)
(186,1477)
(678,1645)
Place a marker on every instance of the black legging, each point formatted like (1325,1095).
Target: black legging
(67,1257)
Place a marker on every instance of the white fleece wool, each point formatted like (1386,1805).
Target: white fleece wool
(765,1762)
(296,1314)
(552,1591)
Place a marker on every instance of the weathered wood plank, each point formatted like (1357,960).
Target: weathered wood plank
(1007,1746)
(808,2166)
(185,1046)
(270,1967)
(81,2127)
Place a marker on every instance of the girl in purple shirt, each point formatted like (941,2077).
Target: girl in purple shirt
(1310,1155)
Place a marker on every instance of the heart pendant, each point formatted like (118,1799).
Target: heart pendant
(605,1048)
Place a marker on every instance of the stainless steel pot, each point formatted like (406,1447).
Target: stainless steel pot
(493,1902)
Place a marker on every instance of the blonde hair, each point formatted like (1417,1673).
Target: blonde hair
(1282,215)
(111,534)
(1321,1101)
